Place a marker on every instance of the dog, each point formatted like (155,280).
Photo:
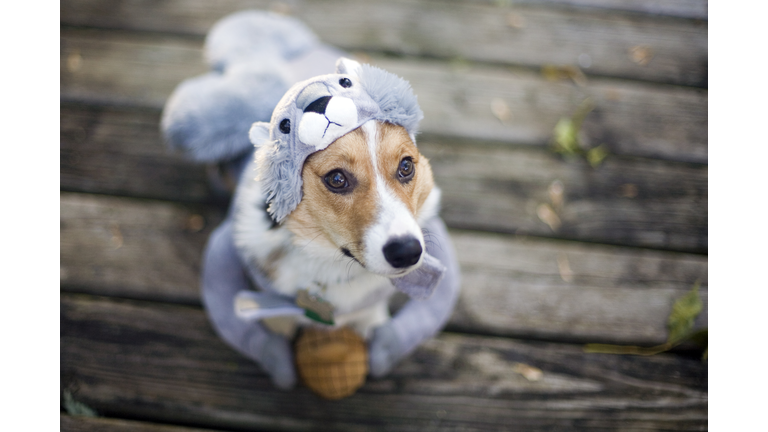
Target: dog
(335,208)
(365,198)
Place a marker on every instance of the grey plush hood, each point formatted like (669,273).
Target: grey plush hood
(315,113)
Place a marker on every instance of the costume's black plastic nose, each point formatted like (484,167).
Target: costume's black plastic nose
(402,252)
(318,105)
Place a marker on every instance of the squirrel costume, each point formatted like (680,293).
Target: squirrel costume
(275,96)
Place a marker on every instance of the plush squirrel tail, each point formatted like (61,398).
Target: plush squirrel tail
(252,56)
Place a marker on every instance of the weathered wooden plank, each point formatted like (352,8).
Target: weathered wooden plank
(125,68)
(522,287)
(136,248)
(526,33)
(554,290)
(629,118)
(163,363)
(694,9)
(624,201)
(121,152)
(99,424)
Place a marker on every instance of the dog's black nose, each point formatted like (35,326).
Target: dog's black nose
(402,252)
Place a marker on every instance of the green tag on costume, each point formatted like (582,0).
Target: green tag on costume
(315,307)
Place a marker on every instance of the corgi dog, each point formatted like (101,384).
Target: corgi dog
(359,223)
(335,208)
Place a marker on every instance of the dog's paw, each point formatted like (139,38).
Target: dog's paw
(385,350)
(277,358)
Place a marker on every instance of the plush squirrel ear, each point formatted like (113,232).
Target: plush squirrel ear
(259,133)
(347,66)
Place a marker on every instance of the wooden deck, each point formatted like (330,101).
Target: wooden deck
(628,239)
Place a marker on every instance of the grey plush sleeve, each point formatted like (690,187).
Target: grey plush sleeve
(223,276)
(419,320)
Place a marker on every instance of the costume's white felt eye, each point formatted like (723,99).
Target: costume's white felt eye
(342,111)
(321,129)
(312,128)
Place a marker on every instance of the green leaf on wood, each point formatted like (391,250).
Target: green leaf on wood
(75,408)
(699,337)
(566,137)
(679,323)
(684,313)
(596,155)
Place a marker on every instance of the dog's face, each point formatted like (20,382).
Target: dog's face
(362,196)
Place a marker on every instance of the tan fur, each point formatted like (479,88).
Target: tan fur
(341,220)
(394,145)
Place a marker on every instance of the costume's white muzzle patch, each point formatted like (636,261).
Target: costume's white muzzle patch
(325,119)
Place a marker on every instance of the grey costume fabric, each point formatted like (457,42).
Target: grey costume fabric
(218,118)
(255,56)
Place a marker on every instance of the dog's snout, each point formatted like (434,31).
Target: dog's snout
(402,252)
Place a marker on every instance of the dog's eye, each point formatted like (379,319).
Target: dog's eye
(405,170)
(338,182)
(345,82)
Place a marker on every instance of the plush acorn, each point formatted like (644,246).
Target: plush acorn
(332,363)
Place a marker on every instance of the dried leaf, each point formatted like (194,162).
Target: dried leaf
(117,235)
(564,266)
(515,20)
(74,61)
(548,216)
(195,223)
(363,57)
(556,190)
(551,73)
(500,109)
(684,313)
(629,190)
(529,372)
(612,94)
(641,54)
(281,8)
(557,73)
